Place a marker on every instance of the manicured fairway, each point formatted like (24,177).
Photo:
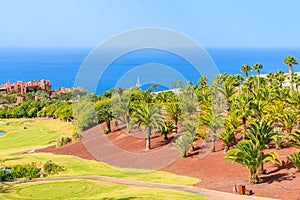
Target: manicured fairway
(80,167)
(88,189)
(37,133)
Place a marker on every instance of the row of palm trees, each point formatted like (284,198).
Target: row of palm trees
(248,115)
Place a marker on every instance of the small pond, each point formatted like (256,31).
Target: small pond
(1,133)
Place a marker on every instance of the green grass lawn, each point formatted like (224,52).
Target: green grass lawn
(88,189)
(80,167)
(37,133)
(40,133)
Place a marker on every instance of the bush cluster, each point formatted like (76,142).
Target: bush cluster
(29,171)
(52,168)
(62,140)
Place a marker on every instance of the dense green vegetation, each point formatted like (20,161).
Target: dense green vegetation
(258,110)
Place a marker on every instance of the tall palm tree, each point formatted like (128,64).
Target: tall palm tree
(202,81)
(120,91)
(258,67)
(247,154)
(174,84)
(105,113)
(239,79)
(296,81)
(270,77)
(246,69)
(154,86)
(290,60)
(228,90)
(280,77)
(149,117)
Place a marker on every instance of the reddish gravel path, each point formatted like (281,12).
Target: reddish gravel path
(104,150)
(124,150)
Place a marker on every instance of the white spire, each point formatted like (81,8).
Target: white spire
(138,83)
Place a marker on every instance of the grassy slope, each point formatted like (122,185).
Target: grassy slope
(38,133)
(88,189)
(41,132)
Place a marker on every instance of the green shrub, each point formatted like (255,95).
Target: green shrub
(5,175)
(295,159)
(106,131)
(25,171)
(183,143)
(62,140)
(52,168)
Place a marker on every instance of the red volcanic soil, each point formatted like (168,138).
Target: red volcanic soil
(135,141)
(75,149)
(280,182)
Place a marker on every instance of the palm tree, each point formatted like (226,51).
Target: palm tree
(290,60)
(247,154)
(154,86)
(174,112)
(270,77)
(149,117)
(261,134)
(258,67)
(294,139)
(239,78)
(120,91)
(280,77)
(213,119)
(174,84)
(246,69)
(105,114)
(289,119)
(295,159)
(180,83)
(183,143)
(228,90)
(227,136)
(202,81)
(296,81)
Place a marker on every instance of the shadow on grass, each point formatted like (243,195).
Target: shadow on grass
(9,159)
(6,188)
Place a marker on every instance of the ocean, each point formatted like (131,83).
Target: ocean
(60,65)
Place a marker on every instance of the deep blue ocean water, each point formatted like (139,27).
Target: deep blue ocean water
(60,65)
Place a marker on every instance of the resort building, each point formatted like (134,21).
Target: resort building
(23,87)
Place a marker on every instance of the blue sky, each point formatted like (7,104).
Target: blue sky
(212,23)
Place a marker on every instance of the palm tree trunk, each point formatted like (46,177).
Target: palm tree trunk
(291,76)
(254,178)
(258,82)
(148,132)
(176,123)
(261,169)
(108,126)
(214,142)
(245,126)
